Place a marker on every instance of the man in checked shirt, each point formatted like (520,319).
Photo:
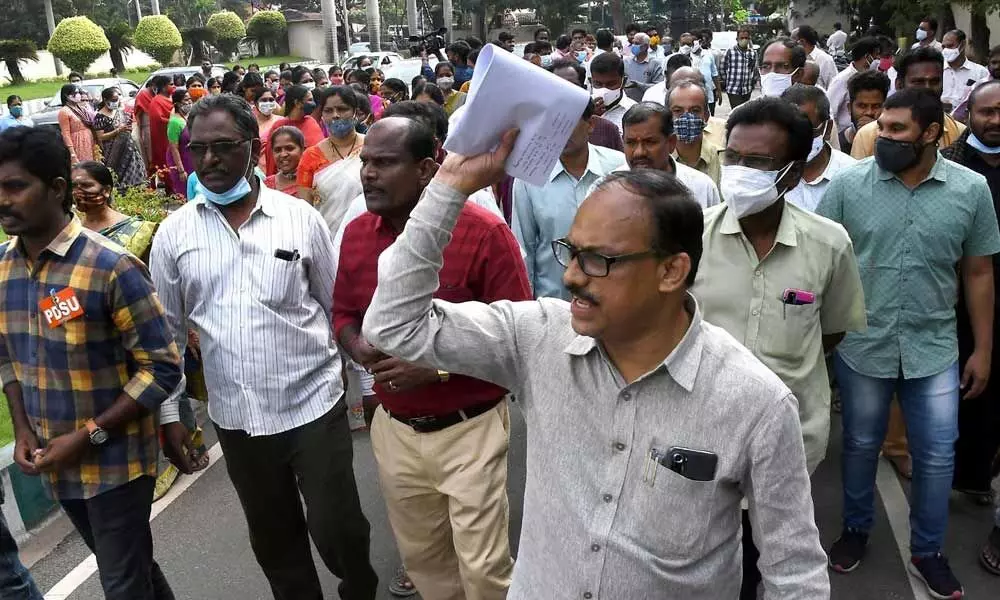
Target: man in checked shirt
(86,358)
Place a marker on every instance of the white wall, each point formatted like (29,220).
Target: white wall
(963,21)
(305,38)
(45,67)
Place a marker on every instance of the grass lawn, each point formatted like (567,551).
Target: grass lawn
(46,88)
(6,427)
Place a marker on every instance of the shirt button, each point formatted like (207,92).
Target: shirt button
(607,497)
(906,250)
(595,548)
(758,273)
(619,446)
(626,396)
(755,312)
(588,595)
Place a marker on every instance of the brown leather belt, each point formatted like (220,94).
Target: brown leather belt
(439,422)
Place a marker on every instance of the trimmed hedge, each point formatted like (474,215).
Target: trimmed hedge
(78,42)
(157,36)
(229,30)
(267,28)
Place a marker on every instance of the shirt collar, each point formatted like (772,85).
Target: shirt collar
(826,174)
(939,171)
(591,161)
(786,234)
(60,244)
(682,363)
(265,200)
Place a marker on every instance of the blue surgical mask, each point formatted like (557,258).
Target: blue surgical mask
(234,194)
(636,49)
(547,61)
(921,35)
(16,111)
(975,142)
(581,55)
(341,127)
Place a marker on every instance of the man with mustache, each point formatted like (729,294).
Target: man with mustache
(86,359)
(783,281)
(543,213)
(650,142)
(646,425)
(440,440)
(251,270)
(866,92)
(979,418)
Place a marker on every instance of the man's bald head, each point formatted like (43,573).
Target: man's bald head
(810,73)
(686,74)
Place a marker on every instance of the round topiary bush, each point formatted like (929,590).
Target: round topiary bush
(229,30)
(267,28)
(157,36)
(78,42)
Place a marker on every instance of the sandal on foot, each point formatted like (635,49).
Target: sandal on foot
(903,465)
(401,586)
(989,557)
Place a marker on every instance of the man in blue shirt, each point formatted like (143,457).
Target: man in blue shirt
(544,213)
(912,216)
(15,114)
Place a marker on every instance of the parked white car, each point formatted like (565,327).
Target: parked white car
(380,60)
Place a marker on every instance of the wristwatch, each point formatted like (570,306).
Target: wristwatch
(98,435)
(443,376)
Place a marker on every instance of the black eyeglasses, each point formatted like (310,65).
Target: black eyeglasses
(220,148)
(592,263)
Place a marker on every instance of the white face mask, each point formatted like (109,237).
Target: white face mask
(817,146)
(775,84)
(696,48)
(112,105)
(950,54)
(749,191)
(685,49)
(609,96)
(266,107)
(310,86)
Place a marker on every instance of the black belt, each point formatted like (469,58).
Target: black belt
(437,423)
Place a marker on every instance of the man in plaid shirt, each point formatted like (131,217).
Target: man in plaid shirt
(740,73)
(86,358)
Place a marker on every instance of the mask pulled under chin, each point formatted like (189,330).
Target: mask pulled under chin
(241,189)
(750,191)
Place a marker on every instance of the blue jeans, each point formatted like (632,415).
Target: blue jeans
(930,409)
(15,580)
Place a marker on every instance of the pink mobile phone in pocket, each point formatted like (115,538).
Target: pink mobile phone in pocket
(797,297)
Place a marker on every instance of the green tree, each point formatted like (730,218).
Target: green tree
(157,36)
(268,28)
(229,31)
(13,52)
(199,38)
(78,42)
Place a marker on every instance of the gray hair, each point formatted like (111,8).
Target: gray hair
(800,94)
(235,106)
(684,85)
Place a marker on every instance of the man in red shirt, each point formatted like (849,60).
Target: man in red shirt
(440,439)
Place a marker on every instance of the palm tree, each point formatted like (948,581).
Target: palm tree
(329,8)
(13,52)
(119,34)
(374,25)
(155,5)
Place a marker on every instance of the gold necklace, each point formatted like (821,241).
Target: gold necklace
(349,152)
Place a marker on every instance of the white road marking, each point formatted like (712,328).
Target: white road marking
(897,509)
(83,571)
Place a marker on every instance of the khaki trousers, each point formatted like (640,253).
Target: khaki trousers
(446,495)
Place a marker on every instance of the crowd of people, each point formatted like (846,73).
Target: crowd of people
(673,310)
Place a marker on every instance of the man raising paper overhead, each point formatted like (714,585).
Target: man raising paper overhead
(646,425)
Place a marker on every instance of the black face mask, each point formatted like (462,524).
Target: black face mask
(895,156)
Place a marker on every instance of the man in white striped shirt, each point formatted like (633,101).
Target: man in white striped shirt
(252,271)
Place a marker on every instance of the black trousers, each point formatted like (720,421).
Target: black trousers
(751,574)
(269,472)
(978,433)
(115,526)
(737,99)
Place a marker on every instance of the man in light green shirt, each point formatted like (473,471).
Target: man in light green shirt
(750,261)
(782,281)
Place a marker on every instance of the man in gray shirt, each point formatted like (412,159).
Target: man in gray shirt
(646,425)
(640,66)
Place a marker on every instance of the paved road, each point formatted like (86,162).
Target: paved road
(201,538)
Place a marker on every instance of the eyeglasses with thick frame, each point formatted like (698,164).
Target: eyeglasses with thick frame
(218,148)
(753,161)
(593,264)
